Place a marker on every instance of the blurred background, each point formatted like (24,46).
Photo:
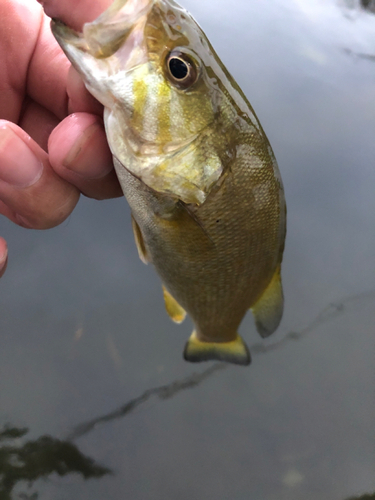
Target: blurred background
(95,398)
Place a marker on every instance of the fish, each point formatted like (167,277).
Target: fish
(206,196)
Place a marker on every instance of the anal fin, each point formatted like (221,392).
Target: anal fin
(175,311)
(235,351)
(268,310)
(140,244)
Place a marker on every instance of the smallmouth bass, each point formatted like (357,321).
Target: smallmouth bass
(196,168)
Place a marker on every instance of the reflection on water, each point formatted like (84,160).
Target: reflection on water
(359,55)
(368,4)
(364,497)
(40,458)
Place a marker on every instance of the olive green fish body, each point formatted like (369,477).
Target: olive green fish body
(195,166)
(216,259)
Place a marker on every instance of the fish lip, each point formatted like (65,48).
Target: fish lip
(68,36)
(102,37)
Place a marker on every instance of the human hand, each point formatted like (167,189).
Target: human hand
(48,156)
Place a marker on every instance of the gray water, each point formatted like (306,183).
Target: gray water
(96,401)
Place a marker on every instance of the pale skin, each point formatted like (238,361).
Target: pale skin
(52,142)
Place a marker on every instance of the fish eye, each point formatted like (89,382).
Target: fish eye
(181,70)
(178,68)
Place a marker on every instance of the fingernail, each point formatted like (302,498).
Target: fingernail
(89,155)
(19,167)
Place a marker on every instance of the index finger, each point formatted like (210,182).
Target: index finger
(75,13)
(49,82)
(48,74)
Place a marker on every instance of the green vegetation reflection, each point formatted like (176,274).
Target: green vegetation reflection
(363,497)
(36,459)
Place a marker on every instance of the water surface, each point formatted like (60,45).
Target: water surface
(93,383)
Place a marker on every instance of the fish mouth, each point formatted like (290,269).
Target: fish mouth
(68,37)
(112,43)
(102,37)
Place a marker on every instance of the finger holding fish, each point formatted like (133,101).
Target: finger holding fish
(38,92)
(79,153)
(35,98)
(75,13)
(55,86)
(32,194)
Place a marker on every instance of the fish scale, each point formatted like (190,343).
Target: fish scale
(195,166)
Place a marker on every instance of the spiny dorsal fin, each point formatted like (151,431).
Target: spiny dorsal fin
(175,311)
(140,244)
(268,310)
(235,351)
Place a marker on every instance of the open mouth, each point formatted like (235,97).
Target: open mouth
(104,36)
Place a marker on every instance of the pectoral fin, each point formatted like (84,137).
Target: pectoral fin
(175,311)
(140,244)
(269,308)
(235,351)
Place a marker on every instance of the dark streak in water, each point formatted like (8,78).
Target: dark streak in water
(332,311)
(163,392)
(359,55)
